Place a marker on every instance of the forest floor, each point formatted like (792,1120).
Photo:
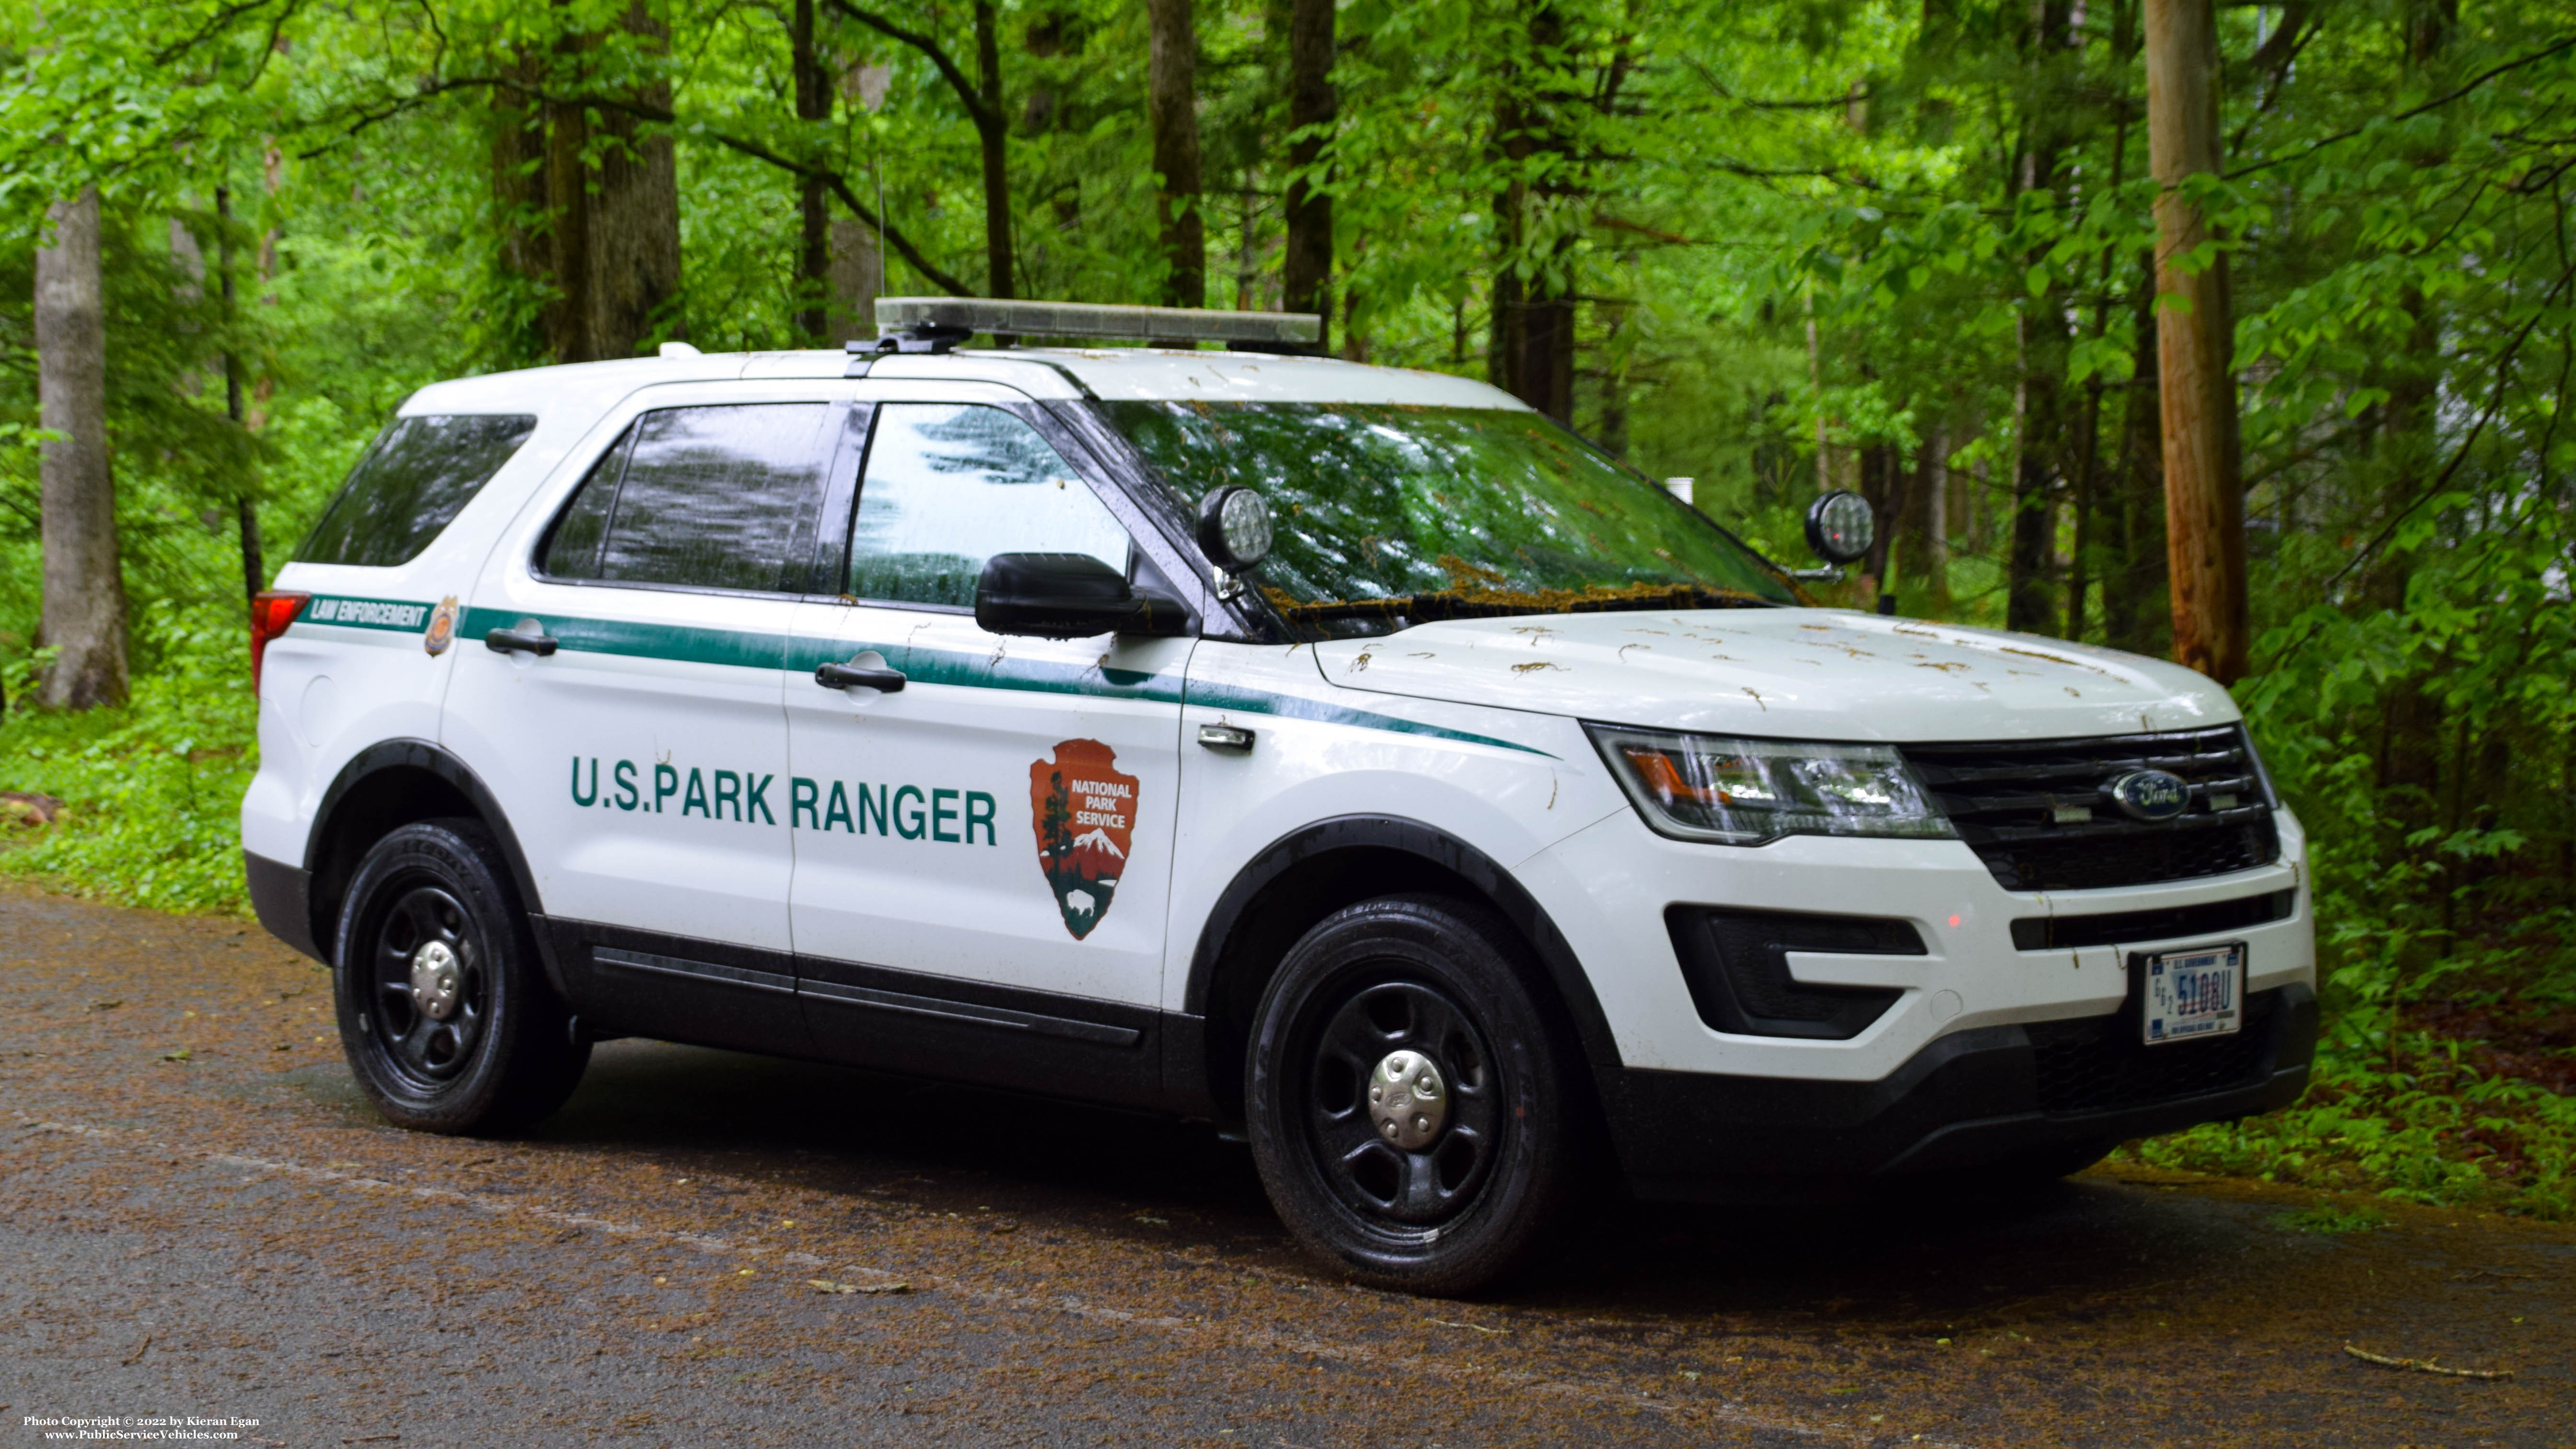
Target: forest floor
(208,1220)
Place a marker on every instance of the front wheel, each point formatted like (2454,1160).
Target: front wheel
(445,1015)
(1408,1100)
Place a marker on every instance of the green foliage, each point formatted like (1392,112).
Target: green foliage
(2424,1127)
(153,790)
(2327,1218)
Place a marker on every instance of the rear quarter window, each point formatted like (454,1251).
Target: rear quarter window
(419,474)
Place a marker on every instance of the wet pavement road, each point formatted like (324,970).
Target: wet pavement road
(200,1216)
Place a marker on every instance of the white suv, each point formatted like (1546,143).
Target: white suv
(1344,755)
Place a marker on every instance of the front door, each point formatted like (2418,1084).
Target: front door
(983,858)
(634,732)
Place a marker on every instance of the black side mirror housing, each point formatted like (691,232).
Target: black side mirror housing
(1069,596)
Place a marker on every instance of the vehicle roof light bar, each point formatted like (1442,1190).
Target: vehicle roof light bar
(932,318)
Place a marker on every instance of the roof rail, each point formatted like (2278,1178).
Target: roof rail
(923,323)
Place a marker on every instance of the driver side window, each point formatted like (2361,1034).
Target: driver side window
(948,486)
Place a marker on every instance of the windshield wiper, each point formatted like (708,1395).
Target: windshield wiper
(1502,603)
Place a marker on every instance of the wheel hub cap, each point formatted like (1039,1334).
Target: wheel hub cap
(437,980)
(1407,1100)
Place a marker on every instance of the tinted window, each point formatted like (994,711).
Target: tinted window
(715,497)
(420,472)
(948,487)
(572,552)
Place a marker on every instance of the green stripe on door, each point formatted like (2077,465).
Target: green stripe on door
(679,643)
(739,649)
(1289,706)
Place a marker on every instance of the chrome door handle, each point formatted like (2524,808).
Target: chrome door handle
(850,676)
(1226,739)
(520,641)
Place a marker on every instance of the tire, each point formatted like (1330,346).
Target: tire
(1475,1199)
(433,902)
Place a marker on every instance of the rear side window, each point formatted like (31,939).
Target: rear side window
(411,484)
(710,498)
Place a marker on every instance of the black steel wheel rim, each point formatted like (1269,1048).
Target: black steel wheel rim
(1389,1187)
(425,1053)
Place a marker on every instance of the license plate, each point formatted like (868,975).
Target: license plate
(2195,993)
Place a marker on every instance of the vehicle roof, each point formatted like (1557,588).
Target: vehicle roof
(1114,374)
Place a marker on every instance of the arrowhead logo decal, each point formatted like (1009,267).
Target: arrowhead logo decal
(1084,811)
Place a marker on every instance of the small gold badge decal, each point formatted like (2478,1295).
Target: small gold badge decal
(442,627)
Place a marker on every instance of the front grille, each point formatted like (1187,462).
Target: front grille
(2098,1064)
(1736,965)
(2039,812)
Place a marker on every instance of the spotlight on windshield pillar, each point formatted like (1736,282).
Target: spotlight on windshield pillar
(1234,528)
(1840,526)
(1680,488)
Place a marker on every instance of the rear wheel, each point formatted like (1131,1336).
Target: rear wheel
(445,1015)
(1408,1099)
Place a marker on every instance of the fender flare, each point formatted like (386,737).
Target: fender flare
(432,759)
(1438,847)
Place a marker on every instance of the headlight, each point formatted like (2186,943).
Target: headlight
(1744,792)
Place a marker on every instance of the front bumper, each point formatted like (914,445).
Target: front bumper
(1970,1099)
(1980,1055)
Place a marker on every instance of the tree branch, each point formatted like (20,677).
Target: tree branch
(2460,455)
(215,24)
(2436,103)
(976,111)
(661,115)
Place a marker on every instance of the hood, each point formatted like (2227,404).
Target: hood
(1815,674)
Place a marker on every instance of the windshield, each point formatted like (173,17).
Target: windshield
(1391,514)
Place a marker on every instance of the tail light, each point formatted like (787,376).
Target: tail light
(269,615)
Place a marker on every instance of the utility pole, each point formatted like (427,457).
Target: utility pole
(2195,342)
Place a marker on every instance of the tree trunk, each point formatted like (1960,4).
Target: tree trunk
(84,590)
(2030,605)
(246,505)
(1534,315)
(1171,109)
(524,249)
(1306,280)
(1882,482)
(2195,338)
(994,132)
(813,233)
(1922,552)
(616,254)
(2129,606)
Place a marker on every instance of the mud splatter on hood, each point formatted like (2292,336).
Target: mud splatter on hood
(1793,673)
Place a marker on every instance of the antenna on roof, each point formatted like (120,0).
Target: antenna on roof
(938,324)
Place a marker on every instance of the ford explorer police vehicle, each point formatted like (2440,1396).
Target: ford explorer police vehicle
(1344,755)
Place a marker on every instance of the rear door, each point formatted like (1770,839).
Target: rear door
(643,761)
(983,859)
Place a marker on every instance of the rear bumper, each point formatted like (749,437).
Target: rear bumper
(282,897)
(1967,1100)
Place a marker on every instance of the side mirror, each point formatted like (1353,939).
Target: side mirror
(1068,596)
(1841,526)
(1234,528)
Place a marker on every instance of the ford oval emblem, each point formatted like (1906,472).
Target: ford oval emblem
(2150,794)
